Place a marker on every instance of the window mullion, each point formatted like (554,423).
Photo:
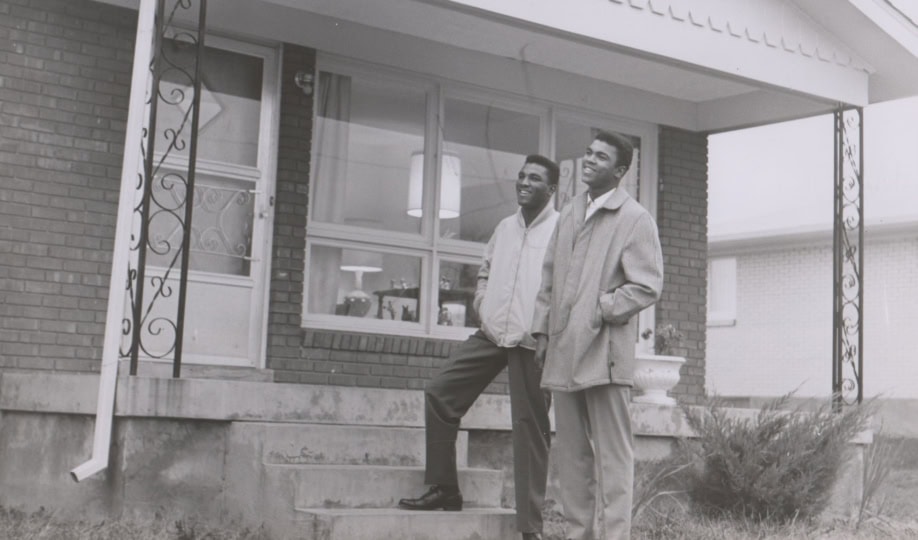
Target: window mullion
(431,227)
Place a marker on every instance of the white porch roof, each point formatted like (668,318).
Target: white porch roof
(702,65)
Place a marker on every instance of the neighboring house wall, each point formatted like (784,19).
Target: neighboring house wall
(65,73)
(782,337)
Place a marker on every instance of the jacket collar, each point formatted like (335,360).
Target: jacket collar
(543,215)
(618,198)
(579,204)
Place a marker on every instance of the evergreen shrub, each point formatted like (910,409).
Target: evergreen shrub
(778,466)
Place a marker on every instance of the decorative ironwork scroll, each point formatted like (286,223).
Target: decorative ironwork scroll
(848,260)
(158,272)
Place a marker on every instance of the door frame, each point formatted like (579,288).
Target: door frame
(263,208)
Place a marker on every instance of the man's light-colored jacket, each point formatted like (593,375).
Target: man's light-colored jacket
(597,275)
(509,277)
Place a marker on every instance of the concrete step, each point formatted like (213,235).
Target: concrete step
(395,524)
(328,444)
(370,486)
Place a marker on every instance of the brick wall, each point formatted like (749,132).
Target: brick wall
(682,220)
(292,193)
(371,360)
(65,68)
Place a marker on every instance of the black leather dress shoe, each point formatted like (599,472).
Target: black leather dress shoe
(435,499)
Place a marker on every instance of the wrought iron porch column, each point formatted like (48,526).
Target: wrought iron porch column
(167,183)
(848,260)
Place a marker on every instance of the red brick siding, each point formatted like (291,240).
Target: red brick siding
(682,219)
(288,244)
(65,69)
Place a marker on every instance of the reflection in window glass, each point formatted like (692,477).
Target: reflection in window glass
(488,145)
(230,105)
(365,135)
(572,140)
(456,294)
(363,283)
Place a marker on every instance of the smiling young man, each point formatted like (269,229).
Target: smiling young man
(603,266)
(508,281)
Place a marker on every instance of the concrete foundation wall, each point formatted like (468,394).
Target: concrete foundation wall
(194,449)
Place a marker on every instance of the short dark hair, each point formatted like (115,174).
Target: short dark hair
(623,148)
(553,171)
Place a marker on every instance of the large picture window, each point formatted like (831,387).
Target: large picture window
(409,178)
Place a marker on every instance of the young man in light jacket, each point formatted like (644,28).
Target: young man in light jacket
(602,267)
(508,281)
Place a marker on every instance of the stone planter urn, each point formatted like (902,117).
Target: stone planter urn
(654,376)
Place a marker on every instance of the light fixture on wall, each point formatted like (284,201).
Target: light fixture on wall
(357,303)
(450,185)
(303,81)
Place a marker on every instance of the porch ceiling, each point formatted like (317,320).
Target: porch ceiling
(737,64)
(715,65)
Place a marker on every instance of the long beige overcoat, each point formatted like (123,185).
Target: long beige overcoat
(597,275)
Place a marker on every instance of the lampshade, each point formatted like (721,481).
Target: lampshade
(450,186)
(361,261)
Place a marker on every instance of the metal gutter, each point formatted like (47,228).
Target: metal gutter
(117,290)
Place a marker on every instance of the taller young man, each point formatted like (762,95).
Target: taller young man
(507,285)
(603,266)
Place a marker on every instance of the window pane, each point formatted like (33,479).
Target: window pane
(365,135)
(721,290)
(362,283)
(572,140)
(230,106)
(486,145)
(456,293)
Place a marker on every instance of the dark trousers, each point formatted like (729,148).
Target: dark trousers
(450,394)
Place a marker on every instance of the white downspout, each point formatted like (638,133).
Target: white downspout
(108,378)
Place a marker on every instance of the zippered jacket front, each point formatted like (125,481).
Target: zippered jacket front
(510,275)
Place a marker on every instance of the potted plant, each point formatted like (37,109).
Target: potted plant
(656,374)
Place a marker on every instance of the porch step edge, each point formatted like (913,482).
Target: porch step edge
(373,524)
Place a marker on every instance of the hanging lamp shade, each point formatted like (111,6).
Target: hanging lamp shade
(450,185)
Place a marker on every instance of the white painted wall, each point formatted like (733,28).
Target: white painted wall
(782,339)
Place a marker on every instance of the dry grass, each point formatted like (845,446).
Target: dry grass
(892,515)
(673,522)
(43,525)
(668,523)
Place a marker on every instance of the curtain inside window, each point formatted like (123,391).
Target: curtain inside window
(330,176)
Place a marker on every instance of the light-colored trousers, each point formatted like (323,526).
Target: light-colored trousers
(596,480)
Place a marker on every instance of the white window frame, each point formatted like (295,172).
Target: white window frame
(427,244)
(722,275)
(647,181)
